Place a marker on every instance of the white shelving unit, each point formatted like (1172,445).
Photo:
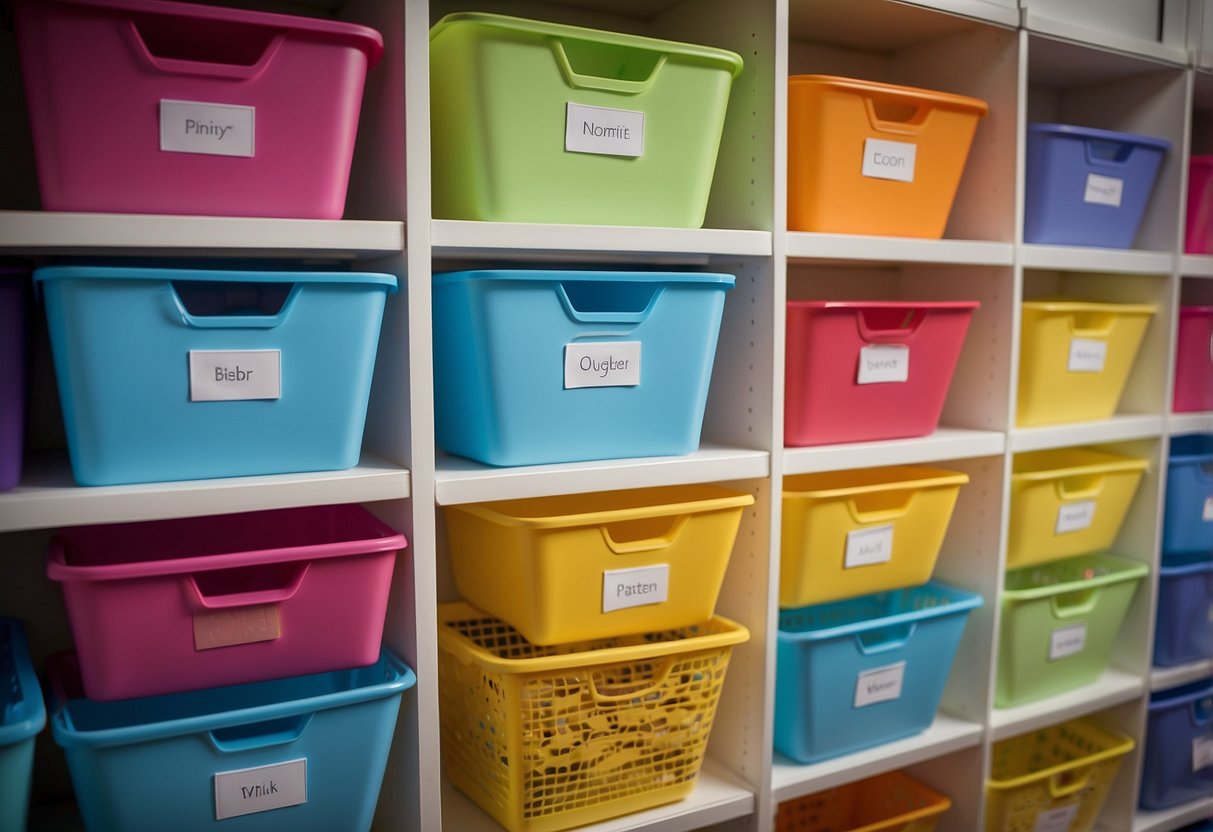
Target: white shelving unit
(1121,65)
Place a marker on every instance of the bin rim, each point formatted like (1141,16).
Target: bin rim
(1097,133)
(1126,570)
(1090,306)
(939,99)
(1194,309)
(917,477)
(1102,462)
(48,273)
(33,719)
(582,275)
(959,601)
(883,304)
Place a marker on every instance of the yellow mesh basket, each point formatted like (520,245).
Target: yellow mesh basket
(891,802)
(547,738)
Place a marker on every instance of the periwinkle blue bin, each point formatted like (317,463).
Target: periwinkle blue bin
(839,664)
(1187,527)
(1088,187)
(1184,621)
(1177,764)
(22,716)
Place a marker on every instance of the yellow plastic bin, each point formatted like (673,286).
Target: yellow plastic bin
(1068,501)
(548,738)
(890,802)
(1055,778)
(851,533)
(583,566)
(1075,357)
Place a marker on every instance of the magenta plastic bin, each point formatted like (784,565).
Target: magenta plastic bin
(1198,232)
(13,281)
(867,370)
(174,605)
(1194,360)
(149,106)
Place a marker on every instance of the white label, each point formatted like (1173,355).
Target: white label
(603,364)
(603,131)
(1074,517)
(260,789)
(237,625)
(639,587)
(1056,820)
(1087,356)
(1066,641)
(1202,752)
(868,546)
(880,684)
(1103,190)
(235,375)
(1207,513)
(881,363)
(213,129)
(889,160)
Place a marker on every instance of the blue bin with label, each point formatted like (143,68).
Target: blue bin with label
(1187,526)
(1184,628)
(22,716)
(1088,187)
(559,366)
(1177,762)
(854,674)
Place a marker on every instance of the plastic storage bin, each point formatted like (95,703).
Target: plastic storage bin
(1068,501)
(872,158)
(175,374)
(1194,360)
(890,802)
(1075,358)
(1059,623)
(172,605)
(581,566)
(859,673)
(540,122)
(547,738)
(191,109)
(558,366)
(1088,187)
(1198,233)
(1187,528)
(306,753)
(1184,629)
(1177,763)
(849,533)
(868,370)
(22,716)
(12,373)
(1053,778)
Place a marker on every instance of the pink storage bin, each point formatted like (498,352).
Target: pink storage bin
(1198,233)
(128,101)
(865,370)
(174,605)
(1194,360)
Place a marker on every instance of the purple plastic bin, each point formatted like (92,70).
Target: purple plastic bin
(12,372)
(1178,758)
(1185,614)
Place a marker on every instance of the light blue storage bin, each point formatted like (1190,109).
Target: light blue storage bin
(22,716)
(180,760)
(1187,527)
(854,674)
(502,340)
(125,339)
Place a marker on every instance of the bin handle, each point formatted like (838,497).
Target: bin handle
(1060,784)
(1084,600)
(1202,710)
(580,80)
(1122,157)
(185,66)
(909,325)
(879,506)
(606,317)
(251,735)
(649,544)
(911,126)
(245,599)
(598,687)
(235,321)
(1092,325)
(885,639)
(1074,488)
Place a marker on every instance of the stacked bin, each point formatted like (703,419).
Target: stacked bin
(1177,763)
(22,717)
(1184,629)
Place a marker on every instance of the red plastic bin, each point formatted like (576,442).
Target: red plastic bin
(866,370)
(1194,360)
(173,605)
(1198,232)
(152,106)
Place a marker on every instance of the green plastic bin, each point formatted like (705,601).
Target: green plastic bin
(1059,622)
(541,122)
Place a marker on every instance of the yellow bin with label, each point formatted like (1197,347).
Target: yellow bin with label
(851,533)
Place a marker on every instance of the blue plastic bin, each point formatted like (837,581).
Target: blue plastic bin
(853,674)
(1184,629)
(1088,187)
(169,374)
(558,366)
(1177,763)
(1187,527)
(22,716)
(181,760)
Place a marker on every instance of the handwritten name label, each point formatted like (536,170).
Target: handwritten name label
(1087,356)
(883,363)
(1067,641)
(880,684)
(603,131)
(866,547)
(638,587)
(1103,190)
(249,790)
(1074,517)
(1056,820)
(210,129)
(884,159)
(602,364)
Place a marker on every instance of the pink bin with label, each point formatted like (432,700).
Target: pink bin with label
(1194,360)
(174,605)
(150,106)
(1198,233)
(865,370)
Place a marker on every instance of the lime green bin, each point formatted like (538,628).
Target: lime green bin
(541,122)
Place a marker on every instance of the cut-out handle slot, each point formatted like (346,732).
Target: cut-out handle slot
(607,66)
(265,734)
(880,506)
(637,686)
(1080,486)
(884,639)
(1076,603)
(592,301)
(884,325)
(233,305)
(244,586)
(645,534)
(204,46)
(1069,782)
(1109,152)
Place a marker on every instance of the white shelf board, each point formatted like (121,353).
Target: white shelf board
(460,480)
(1162,678)
(1196,265)
(860,248)
(1036,21)
(1114,687)
(718,797)
(1173,818)
(1116,429)
(945,735)
(943,444)
(49,498)
(1180,423)
(1003,13)
(49,232)
(1081,259)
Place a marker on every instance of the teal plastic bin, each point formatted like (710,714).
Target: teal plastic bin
(22,716)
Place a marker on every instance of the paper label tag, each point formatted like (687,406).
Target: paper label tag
(639,587)
(240,625)
(869,546)
(1207,513)
(249,790)
(1202,752)
(1087,356)
(1066,641)
(235,375)
(880,363)
(211,129)
(1074,517)
(880,684)
(1056,820)
(889,160)
(603,130)
(1103,190)
(602,364)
